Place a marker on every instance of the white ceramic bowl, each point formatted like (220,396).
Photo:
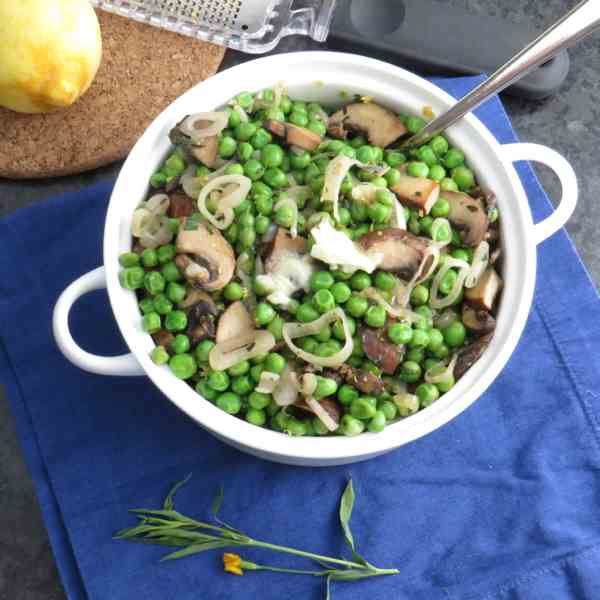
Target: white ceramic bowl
(321,76)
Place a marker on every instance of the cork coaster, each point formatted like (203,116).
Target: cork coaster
(143,69)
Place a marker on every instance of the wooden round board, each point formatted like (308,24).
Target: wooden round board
(143,69)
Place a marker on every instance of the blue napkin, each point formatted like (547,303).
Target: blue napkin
(501,503)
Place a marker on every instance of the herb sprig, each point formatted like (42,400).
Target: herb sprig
(168,527)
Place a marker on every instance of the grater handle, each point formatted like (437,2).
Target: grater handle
(439,38)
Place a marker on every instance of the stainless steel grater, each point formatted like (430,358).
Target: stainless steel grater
(253,26)
(411,32)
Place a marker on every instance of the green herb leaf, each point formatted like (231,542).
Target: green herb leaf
(346,507)
(196,549)
(351,575)
(218,501)
(168,503)
(328,588)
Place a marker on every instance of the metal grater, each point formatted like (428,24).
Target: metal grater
(254,26)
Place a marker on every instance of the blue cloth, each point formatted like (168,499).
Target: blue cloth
(501,503)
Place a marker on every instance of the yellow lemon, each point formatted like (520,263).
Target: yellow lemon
(50,51)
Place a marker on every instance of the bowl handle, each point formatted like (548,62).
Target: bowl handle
(102,365)
(568,180)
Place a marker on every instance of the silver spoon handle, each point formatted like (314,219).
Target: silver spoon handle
(579,22)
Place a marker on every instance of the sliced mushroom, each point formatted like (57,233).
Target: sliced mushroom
(468,217)
(380,125)
(197,297)
(234,322)
(204,255)
(280,246)
(417,192)
(402,251)
(365,381)
(483,295)
(201,310)
(470,354)
(380,350)
(478,321)
(294,134)
(206,153)
(163,338)
(181,205)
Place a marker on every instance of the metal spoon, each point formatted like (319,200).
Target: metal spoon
(579,22)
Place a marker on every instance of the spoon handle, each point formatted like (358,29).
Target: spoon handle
(579,22)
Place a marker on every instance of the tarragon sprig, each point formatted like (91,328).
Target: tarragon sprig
(167,527)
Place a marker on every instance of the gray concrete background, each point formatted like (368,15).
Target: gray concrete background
(568,122)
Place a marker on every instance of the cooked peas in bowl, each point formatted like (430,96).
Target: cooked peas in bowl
(301,272)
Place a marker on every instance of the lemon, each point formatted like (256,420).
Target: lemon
(50,52)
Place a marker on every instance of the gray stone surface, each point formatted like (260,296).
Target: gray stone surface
(568,122)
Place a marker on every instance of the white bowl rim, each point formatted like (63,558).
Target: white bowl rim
(324,450)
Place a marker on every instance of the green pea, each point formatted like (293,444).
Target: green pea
(440,209)
(158,180)
(365,154)
(318,427)
(439,145)
(176,320)
(218,380)
(261,138)
(227,147)
(358,141)
(241,385)
(347,394)
(300,160)
(234,169)
(325,387)
(419,295)
(271,155)
(454,334)
(149,258)
(180,344)
(378,422)
(309,344)
(146,305)
(453,158)
(427,155)
(427,394)
(420,339)
(154,282)
(316,185)
(417,169)
(324,334)
(244,131)
(307,313)
(263,314)
(253,169)
(203,350)
(174,165)
(414,226)
(357,306)
(388,409)
(233,291)
(317,127)
(165,253)
(360,281)
(298,118)
(416,355)
(229,402)
(436,339)
(375,316)
(321,280)
(392,177)
(323,301)
(244,99)
(493,214)
(415,124)
(448,185)
(264,205)
(464,178)
(246,237)
(275,363)
(183,366)
(441,352)
(129,259)
(311,172)
(132,278)
(238,369)
(162,305)
(275,177)
(328,348)
(437,173)
(394,158)
(171,272)
(446,385)
(362,408)
(400,333)
(295,427)
(159,355)
(284,215)
(341,292)
(279,421)
(338,329)
(350,426)
(256,417)
(256,372)
(345,216)
(358,212)
(258,400)
(244,151)
(410,371)
(448,281)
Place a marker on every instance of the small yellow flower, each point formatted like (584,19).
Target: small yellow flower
(366,99)
(232,563)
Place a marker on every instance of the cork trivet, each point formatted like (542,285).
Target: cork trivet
(143,69)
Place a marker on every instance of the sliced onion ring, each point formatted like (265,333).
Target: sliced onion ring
(295,330)
(217,122)
(400,312)
(436,301)
(286,392)
(267,383)
(234,189)
(321,413)
(481,257)
(287,201)
(141,220)
(157,233)
(445,375)
(221,359)
(309,384)
(158,204)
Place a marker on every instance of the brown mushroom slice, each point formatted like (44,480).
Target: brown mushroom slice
(402,251)
(206,152)
(181,205)
(417,192)
(380,125)
(365,381)
(197,297)
(294,134)
(470,354)
(380,350)
(468,217)
(234,322)
(483,295)
(280,246)
(478,321)
(204,255)
(163,338)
